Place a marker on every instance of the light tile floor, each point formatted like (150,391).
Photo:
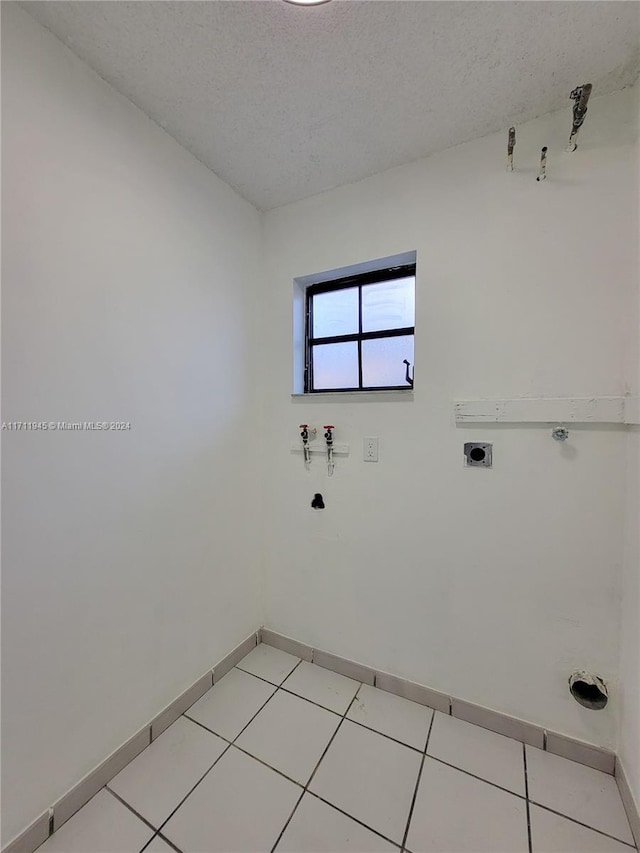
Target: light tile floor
(282,755)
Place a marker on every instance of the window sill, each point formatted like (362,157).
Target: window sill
(404,395)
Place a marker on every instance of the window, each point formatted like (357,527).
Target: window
(359,331)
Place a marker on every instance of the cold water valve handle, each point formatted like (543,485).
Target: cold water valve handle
(329,439)
(304,435)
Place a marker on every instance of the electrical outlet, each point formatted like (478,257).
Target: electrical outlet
(370,449)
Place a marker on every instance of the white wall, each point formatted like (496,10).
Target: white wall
(490,585)
(127,272)
(629,747)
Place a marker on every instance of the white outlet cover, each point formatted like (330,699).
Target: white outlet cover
(370,449)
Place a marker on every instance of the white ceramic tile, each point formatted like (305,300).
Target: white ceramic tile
(155,782)
(241,805)
(319,828)
(102,826)
(290,735)
(392,715)
(577,791)
(330,689)
(455,813)
(370,777)
(229,705)
(486,754)
(268,662)
(158,846)
(551,833)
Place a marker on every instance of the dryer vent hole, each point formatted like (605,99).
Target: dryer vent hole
(477,454)
(588,690)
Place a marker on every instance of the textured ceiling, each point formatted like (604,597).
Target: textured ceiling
(283,102)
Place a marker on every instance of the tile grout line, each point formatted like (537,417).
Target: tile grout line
(131,809)
(586,825)
(233,742)
(415,790)
(224,752)
(291,692)
(288,820)
(167,819)
(317,704)
(313,773)
(280,687)
(355,819)
(243,750)
(526,793)
(479,778)
(318,796)
(266,764)
(331,711)
(206,728)
(431,724)
(388,737)
(412,805)
(326,749)
(166,841)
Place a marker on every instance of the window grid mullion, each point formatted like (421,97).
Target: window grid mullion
(360,336)
(365,336)
(308,378)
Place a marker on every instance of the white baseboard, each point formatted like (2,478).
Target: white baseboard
(629,801)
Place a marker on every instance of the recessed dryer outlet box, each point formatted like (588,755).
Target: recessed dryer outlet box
(478,454)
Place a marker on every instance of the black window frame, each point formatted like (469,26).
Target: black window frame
(359,280)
